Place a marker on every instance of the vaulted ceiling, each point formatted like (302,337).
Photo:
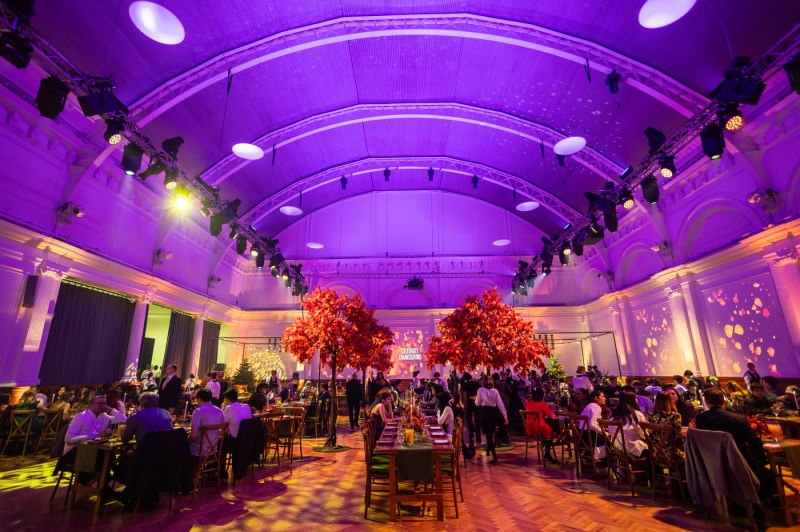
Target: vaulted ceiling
(332,88)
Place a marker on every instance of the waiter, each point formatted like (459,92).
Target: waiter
(170,389)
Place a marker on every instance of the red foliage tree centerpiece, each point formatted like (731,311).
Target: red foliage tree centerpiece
(346,334)
(484,331)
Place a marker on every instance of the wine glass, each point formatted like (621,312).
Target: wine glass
(775,410)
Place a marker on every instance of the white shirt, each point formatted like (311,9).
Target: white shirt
(43,402)
(214,387)
(89,426)
(490,397)
(234,414)
(595,413)
(190,384)
(446,420)
(205,415)
(582,381)
(443,384)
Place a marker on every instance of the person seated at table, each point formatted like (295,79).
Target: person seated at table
(190,384)
(666,413)
(382,412)
(653,386)
(150,418)
(747,440)
(686,410)
(692,392)
(234,411)
(63,404)
(627,411)
(444,413)
(29,402)
(112,400)
(594,413)
(645,403)
(42,398)
(580,401)
(770,384)
(758,402)
(788,401)
(205,414)
(258,399)
(541,426)
(736,396)
(612,389)
(324,393)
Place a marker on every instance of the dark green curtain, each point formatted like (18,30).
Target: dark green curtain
(179,342)
(208,348)
(88,337)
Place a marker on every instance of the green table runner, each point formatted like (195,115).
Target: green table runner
(415,462)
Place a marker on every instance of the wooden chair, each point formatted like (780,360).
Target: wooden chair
(618,459)
(582,442)
(271,436)
(533,417)
(61,468)
(563,439)
(664,461)
(321,419)
(52,423)
(21,422)
(285,428)
(452,467)
(300,427)
(210,453)
(375,471)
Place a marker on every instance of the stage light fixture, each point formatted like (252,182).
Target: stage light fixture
(114,128)
(228,212)
(205,212)
(241,244)
(284,275)
(131,159)
(650,189)
(275,261)
(101,100)
(627,201)
(260,261)
(667,164)
(430,174)
(234,232)
(254,252)
(730,117)
(792,69)
(612,80)
(713,141)
(343,181)
(51,97)
(287,281)
(171,178)
(546,270)
(655,139)
(182,197)
(154,168)
(215,224)
(16,49)
(172,145)
(566,249)
(577,248)
(386,174)
(474,182)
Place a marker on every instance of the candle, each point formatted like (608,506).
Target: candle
(185,409)
(123,397)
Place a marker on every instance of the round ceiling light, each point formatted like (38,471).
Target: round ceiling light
(569,145)
(288,210)
(526,206)
(247,151)
(157,22)
(660,13)
(501,242)
(314,245)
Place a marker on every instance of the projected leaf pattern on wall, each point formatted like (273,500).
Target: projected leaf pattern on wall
(746,325)
(264,358)
(654,324)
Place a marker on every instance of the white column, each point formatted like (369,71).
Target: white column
(137,332)
(633,351)
(197,342)
(784,265)
(692,297)
(681,327)
(28,361)
(619,337)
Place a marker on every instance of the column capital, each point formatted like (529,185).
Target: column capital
(204,312)
(783,256)
(52,269)
(149,294)
(673,290)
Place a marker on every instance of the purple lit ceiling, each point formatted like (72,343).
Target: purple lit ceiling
(468,87)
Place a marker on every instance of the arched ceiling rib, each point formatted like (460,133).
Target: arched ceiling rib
(641,77)
(588,157)
(524,189)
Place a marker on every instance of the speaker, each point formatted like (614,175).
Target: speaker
(99,103)
(29,291)
(146,353)
(739,90)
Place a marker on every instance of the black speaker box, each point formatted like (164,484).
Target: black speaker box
(29,291)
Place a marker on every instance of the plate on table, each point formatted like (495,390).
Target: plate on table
(387,442)
(441,442)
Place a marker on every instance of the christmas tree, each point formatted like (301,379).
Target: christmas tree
(555,369)
(245,375)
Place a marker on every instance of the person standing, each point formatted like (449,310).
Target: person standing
(751,376)
(354,393)
(156,372)
(274,381)
(581,381)
(469,391)
(170,389)
(213,386)
(491,406)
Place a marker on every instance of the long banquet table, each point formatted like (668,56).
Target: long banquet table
(389,446)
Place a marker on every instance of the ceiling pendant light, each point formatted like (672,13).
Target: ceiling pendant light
(569,145)
(527,206)
(250,152)
(157,22)
(660,13)
(290,210)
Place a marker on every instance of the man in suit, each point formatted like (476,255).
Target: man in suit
(747,441)
(170,389)
(354,393)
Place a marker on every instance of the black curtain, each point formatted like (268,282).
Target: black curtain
(179,342)
(88,337)
(208,348)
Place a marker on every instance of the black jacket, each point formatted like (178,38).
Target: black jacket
(736,425)
(354,391)
(169,395)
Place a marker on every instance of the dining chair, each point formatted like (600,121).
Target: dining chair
(583,443)
(21,422)
(531,418)
(210,453)
(563,438)
(665,462)
(375,472)
(618,459)
(52,423)
(321,419)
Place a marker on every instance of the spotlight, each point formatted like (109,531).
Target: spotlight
(285,276)
(254,252)
(131,159)
(287,282)
(561,160)
(667,164)
(610,218)
(547,258)
(52,97)
(343,181)
(475,182)
(154,168)
(241,244)
(260,261)
(234,231)
(577,248)
(546,270)
(181,197)
(655,139)
(386,174)
(171,179)
(215,225)
(565,249)
(228,213)
(114,128)
(591,235)
(172,145)
(792,69)
(16,49)
(101,99)
(650,189)
(205,212)
(430,174)
(275,261)
(627,201)
(713,141)
(612,80)
(738,86)
(563,258)
(730,117)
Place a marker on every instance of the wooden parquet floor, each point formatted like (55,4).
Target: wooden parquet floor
(325,492)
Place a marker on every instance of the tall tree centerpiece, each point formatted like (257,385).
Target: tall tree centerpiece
(346,334)
(484,331)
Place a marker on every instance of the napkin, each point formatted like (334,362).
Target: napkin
(441,441)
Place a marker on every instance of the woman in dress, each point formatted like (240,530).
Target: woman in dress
(665,413)
(382,412)
(538,426)
(685,409)
(445,417)
(627,411)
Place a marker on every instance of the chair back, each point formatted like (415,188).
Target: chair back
(211,437)
(161,462)
(657,437)
(323,410)
(533,417)
(21,423)
(248,446)
(576,422)
(612,434)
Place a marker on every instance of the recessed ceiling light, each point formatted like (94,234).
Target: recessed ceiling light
(247,151)
(569,145)
(157,22)
(660,13)
(288,210)
(314,245)
(501,242)
(526,206)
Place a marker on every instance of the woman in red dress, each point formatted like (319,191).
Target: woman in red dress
(538,426)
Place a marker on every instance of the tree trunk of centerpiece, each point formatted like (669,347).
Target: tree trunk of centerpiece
(330,443)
